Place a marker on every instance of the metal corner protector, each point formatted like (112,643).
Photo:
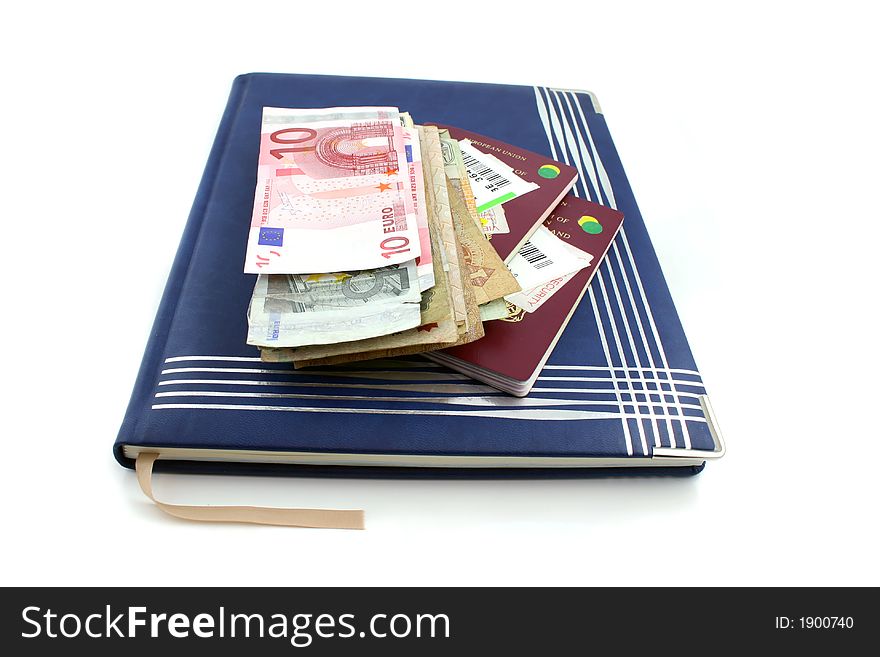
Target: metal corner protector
(714,430)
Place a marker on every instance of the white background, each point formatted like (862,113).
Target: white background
(750,136)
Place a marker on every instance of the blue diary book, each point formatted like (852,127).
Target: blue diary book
(620,393)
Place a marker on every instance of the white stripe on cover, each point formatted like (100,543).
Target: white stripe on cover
(562,139)
(256,359)
(583,162)
(574,157)
(498,402)
(383,363)
(514,414)
(415,376)
(600,167)
(620,350)
(455,388)
(609,193)
(542,112)
(574,161)
(359,374)
(239,359)
(588,163)
(610,196)
(455,391)
(446,388)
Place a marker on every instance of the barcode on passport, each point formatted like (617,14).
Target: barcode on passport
(535,256)
(480,171)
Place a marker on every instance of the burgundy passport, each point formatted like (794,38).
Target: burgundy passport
(513,352)
(524,213)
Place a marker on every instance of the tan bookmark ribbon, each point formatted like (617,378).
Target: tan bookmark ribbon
(259,515)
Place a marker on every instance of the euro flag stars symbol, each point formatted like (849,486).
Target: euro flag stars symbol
(383,187)
(271,237)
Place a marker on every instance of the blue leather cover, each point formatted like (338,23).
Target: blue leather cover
(620,381)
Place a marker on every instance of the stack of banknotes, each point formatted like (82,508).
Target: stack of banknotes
(366,239)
